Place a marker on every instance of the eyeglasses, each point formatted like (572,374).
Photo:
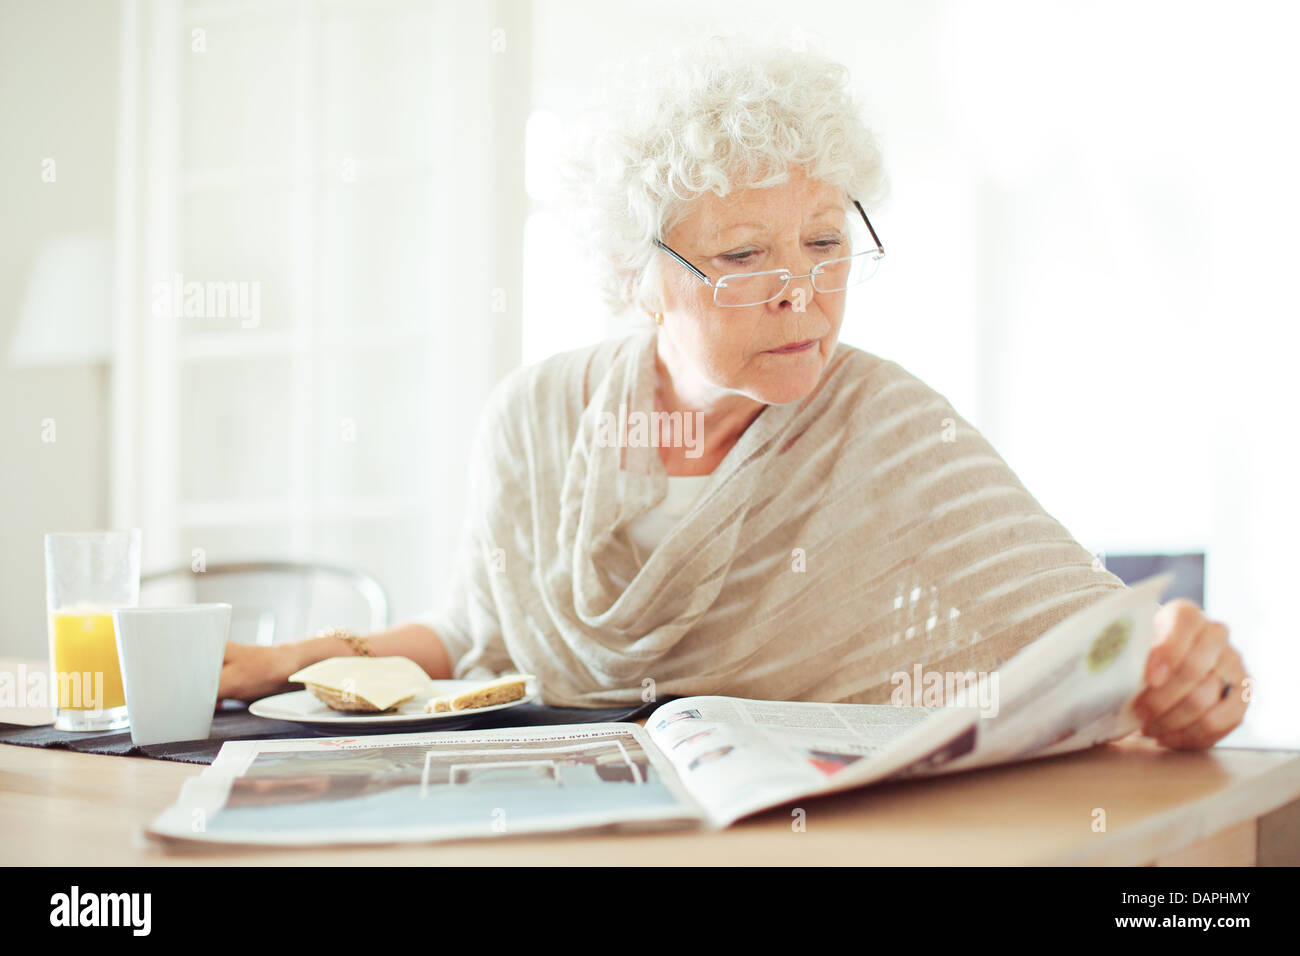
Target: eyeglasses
(754,288)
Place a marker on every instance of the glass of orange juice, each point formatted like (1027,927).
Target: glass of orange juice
(87,574)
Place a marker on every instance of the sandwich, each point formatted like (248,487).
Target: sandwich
(366,685)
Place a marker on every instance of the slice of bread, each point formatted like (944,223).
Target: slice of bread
(364,684)
(499,691)
(351,702)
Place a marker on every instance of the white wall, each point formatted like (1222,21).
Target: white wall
(58,87)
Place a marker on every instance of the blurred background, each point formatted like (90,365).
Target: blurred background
(261,263)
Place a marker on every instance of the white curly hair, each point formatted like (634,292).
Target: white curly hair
(722,114)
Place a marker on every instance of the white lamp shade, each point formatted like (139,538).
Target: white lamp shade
(67,311)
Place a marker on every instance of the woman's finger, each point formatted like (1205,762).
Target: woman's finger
(1200,700)
(1215,720)
(1221,720)
(1176,625)
(1204,648)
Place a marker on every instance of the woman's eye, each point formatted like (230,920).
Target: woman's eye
(738,256)
(750,255)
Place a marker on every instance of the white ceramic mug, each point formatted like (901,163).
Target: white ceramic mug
(171,668)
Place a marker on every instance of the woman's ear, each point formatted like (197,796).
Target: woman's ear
(647,290)
(649,303)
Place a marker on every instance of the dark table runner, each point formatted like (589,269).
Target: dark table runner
(234,722)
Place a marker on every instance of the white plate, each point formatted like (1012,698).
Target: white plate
(304,707)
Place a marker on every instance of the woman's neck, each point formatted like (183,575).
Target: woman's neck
(722,415)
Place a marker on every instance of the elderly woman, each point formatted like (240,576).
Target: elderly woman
(732,501)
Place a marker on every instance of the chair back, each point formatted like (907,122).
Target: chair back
(274,602)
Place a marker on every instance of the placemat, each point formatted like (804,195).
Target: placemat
(234,722)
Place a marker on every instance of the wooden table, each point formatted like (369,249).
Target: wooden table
(1163,807)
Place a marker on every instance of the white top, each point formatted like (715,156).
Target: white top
(652,527)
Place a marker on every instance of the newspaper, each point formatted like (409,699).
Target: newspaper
(701,762)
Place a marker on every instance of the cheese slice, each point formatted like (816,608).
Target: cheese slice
(382,682)
(499,691)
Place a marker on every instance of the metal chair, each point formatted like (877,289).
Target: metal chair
(273,602)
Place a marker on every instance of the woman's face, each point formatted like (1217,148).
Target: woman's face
(791,226)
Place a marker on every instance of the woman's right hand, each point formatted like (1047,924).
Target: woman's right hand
(249,671)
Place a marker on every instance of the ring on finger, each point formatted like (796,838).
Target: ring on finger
(1227,686)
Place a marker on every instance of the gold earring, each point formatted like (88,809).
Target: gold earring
(659,318)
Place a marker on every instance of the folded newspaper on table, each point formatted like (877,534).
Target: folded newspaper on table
(699,761)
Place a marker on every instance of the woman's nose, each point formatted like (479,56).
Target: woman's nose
(798,292)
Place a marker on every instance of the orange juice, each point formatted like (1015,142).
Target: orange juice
(82,646)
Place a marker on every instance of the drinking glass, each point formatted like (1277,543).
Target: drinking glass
(87,575)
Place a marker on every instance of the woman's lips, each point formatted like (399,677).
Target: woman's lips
(792,347)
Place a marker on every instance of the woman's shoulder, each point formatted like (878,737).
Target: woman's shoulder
(894,407)
(868,374)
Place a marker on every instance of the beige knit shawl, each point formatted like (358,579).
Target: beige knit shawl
(845,538)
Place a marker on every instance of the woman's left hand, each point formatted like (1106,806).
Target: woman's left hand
(1197,688)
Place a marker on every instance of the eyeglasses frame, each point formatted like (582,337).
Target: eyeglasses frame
(879,252)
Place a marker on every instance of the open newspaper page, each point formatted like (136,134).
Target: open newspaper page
(430,786)
(739,756)
(1072,688)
